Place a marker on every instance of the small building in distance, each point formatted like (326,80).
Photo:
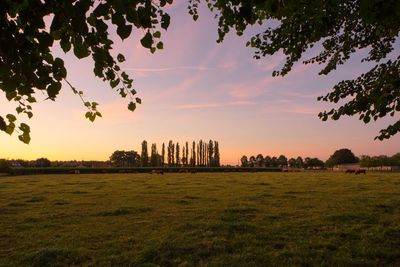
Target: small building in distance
(356,166)
(347,166)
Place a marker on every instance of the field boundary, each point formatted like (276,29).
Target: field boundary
(70,170)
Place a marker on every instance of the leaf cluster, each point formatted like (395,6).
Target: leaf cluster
(341,28)
(81,27)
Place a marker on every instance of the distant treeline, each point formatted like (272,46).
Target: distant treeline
(378,161)
(339,157)
(46,163)
(281,162)
(202,154)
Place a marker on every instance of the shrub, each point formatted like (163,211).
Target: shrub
(4,166)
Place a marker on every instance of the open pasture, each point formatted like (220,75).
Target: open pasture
(203,219)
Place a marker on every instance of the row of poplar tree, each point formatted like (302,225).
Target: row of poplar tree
(204,154)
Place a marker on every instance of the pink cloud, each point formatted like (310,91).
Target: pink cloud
(290,106)
(271,63)
(215,105)
(252,89)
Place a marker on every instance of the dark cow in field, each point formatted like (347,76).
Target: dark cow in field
(360,171)
(350,171)
(192,171)
(157,172)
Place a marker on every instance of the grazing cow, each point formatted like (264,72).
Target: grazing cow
(192,171)
(157,171)
(182,171)
(360,171)
(351,171)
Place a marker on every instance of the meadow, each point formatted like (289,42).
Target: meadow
(202,219)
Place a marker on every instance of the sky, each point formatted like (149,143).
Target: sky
(198,89)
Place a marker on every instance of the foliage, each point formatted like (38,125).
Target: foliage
(144,157)
(281,162)
(30,30)
(342,156)
(42,162)
(339,29)
(125,158)
(313,163)
(378,161)
(177,154)
(244,161)
(204,154)
(82,27)
(4,166)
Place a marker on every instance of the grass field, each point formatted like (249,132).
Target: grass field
(203,219)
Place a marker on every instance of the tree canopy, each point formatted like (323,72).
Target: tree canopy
(339,28)
(82,27)
(342,156)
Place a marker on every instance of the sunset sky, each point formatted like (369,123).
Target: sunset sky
(197,89)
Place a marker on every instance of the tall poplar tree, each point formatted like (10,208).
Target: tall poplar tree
(177,148)
(173,154)
(170,153)
(216,154)
(163,155)
(154,155)
(198,154)
(193,161)
(187,152)
(210,153)
(145,155)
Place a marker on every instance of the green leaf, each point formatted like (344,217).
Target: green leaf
(65,44)
(120,58)
(131,106)
(157,34)
(124,31)
(114,83)
(11,117)
(53,90)
(90,115)
(160,45)
(81,50)
(147,40)
(165,20)
(31,99)
(25,136)
(10,128)
(3,125)
(10,94)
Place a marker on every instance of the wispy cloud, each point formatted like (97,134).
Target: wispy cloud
(299,94)
(170,68)
(251,89)
(215,105)
(289,106)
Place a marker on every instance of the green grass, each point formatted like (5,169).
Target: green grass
(203,219)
